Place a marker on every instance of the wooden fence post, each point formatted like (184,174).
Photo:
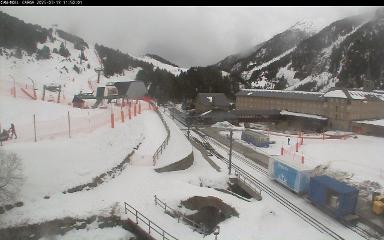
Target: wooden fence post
(129,111)
(112,117)
(14,88)
(34,126)
(69,125)
(122,115)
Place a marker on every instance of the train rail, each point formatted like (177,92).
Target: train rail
(208,141)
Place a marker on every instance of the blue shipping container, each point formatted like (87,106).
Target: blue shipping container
(332,195)
(295,179)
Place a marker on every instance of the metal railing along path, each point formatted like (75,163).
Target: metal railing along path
(152,227)
(159,151)
(196,226)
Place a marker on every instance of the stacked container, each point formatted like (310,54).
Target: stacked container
(291,174)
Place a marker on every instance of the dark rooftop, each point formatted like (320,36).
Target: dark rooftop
(218,99)
(299,95)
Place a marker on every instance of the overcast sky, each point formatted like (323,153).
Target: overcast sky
(187,36)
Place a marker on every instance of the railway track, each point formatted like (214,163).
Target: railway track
(207,142)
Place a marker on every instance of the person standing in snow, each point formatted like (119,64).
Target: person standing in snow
(289,140)
(13,131)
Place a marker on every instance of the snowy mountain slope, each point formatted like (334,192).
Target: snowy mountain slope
(264,52)
(175,70)
(247,74)
(228,63)
(346,53)
(55,70)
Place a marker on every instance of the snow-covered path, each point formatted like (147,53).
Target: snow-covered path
(154,132)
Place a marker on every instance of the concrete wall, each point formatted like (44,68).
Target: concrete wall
(177,166)
(368,129)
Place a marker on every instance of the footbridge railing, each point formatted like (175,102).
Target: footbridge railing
(159,151)
(153,228)
(196,226)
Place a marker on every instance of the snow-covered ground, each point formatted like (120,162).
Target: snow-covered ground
(378,122)
(361,156)
(76,160)
(113,233)
(53,166)
(138,184)
(56,162)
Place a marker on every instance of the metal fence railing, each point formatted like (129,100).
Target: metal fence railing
(247,182)
(159,151)
(196,226)
(153,228)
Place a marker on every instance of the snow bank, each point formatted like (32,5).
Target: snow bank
(112,233)
(284,112)
(224,124)
(379,122)
(335,94)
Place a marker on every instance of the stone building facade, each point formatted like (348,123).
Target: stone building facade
(339,106)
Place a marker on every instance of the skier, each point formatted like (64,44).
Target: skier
(289,140)
(13,131)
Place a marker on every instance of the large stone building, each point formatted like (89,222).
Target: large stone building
(338,106)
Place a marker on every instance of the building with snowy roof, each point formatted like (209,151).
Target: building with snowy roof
(211,101)
(337,107)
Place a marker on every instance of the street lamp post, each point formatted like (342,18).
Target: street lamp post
(230,151)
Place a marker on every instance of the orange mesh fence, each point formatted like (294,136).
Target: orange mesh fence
(79,123)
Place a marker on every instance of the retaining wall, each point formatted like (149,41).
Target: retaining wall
(177,166)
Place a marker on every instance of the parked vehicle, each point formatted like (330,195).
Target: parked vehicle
(255,138)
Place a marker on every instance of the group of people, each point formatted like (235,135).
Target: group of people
(8,134)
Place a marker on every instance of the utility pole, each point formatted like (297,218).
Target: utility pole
(98,70)
(230,151)
(189,127)
(81,56)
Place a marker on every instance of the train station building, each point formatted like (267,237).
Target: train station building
(338,107)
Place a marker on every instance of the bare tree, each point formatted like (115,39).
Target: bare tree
(10,176)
